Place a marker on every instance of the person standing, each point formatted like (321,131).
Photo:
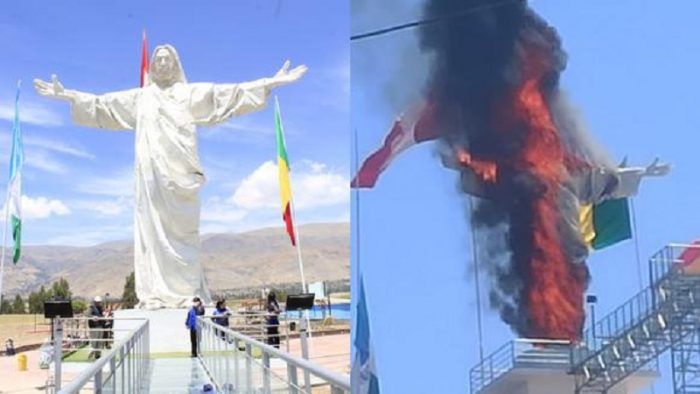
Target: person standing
(222,313)
(197,309)
(273,322)
(96,326)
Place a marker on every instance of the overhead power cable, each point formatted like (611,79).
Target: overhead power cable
(422,22)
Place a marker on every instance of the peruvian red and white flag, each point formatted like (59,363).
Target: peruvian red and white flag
(144,58)
(415,126)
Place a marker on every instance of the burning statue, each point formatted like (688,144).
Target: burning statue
(494,106)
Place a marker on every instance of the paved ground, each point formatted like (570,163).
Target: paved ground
(330,351)
(13,381)
(33,379)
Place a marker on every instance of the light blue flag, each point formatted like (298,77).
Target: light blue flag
(364,375)
(15,185)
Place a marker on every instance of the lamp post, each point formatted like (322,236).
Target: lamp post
(591,299)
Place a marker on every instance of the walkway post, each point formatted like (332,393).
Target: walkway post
(57,351)
(305,352)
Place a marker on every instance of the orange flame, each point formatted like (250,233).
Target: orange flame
(554,289)
(485,170)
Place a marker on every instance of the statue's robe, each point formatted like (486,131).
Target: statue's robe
(168,174)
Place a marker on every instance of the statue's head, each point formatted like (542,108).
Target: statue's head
(165,68)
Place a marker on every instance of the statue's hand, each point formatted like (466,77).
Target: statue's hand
(285,75)
(657,169)
(51,89)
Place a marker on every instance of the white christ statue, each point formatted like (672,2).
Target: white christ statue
(164,114)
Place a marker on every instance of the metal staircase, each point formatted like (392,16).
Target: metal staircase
(663,316)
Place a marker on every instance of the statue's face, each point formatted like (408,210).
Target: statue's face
(163,67)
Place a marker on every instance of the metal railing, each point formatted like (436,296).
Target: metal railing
(519,352)
(667,260)
(253,325)
(122,369)
(653,321)
(238,363)
(638,309)
(661,316)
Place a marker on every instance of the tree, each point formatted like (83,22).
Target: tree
(61,289)
(5,306)
(280,294)
(36,300)
(18,306)
(79,306)
(129,299)
(32,302)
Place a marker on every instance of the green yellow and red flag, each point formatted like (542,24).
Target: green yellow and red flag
(283,165)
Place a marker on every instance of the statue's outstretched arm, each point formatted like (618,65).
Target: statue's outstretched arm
(656,168)
(54,89)
(286,76)
(113,111)
(211,104)
(596,186)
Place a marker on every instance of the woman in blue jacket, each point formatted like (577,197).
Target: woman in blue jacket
(222,314)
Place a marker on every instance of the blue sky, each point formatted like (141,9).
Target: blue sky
(78,181)
(632,72)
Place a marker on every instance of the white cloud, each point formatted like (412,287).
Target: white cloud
(58,146)
(39,153)
(313,185)
(29,112)
(47,144)
(42,208)
(217,211)
(41,160)
(93,236)
(108,208)
(114,207)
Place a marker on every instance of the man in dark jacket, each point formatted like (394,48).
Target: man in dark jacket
(191,323)
(96,325)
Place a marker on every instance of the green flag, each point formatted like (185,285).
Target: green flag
(606,223)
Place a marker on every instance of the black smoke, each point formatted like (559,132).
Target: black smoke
(476,49)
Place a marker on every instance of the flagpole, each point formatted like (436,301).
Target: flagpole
(477,274)
(477,279)
(4,239)
(358,273)
(293,213)
(297,236)
(298,246)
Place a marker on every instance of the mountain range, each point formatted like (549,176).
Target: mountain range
(231,260)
